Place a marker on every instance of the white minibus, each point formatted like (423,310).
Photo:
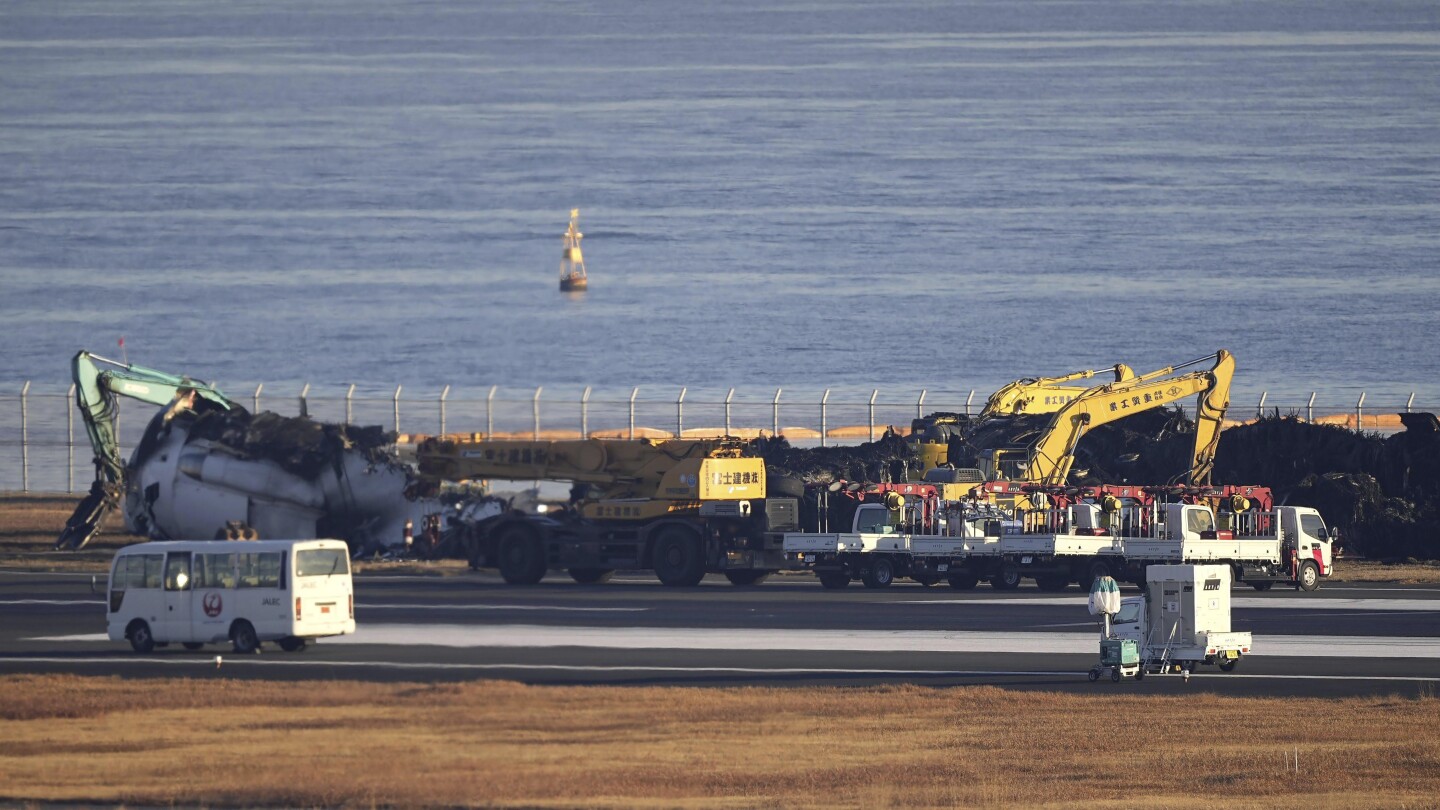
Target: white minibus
(199,592)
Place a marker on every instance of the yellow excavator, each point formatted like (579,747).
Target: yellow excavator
(1026,396)
(681,507)
(1049,458)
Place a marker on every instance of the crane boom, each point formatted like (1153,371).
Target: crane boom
(99,382)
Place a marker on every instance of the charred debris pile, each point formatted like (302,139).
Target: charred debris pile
(298,444)
(1383,492)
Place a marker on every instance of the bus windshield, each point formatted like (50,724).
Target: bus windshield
(319,562)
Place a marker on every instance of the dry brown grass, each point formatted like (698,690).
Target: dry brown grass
(226,742)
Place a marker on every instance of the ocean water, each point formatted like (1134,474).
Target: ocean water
(797,193)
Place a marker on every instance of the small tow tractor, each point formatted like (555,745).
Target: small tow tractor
(1121,656)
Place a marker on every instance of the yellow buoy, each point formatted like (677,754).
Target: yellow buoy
(572,264)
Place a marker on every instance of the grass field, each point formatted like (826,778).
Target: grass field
(226,742)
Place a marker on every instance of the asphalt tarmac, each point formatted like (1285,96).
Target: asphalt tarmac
(1339,641)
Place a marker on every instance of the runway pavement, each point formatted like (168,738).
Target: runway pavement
(1341,640)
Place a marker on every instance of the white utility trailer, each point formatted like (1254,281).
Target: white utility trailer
(1182,621)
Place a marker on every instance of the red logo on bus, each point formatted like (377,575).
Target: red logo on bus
(212,604)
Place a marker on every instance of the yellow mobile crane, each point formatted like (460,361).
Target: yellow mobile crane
(1049,458)
(680,507)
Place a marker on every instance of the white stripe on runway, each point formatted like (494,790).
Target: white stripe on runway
(912,641)
(1236,602)
(237,660)
(393,606)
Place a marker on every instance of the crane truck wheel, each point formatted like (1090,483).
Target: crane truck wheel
(744,578)
(1309,576)
(963,581)
(880,573)
(1007,579)
(591,576)
(679,561)
(522,557)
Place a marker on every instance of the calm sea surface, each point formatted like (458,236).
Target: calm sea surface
(942,195)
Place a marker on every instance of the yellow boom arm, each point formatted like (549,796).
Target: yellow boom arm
(1031,395)
(1053,453)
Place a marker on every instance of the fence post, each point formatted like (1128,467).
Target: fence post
(920,404)
(1260,409)
(873,394)
(256,399)
(585,414)
(1360,412)
(535,410)
(443,395)
(304,405)
(775,413)
(968,400)
(489,412)
(680,414)
(24,439)
(70,440)
(349,402)
(1310,409)
(397,408)
(634,392)
(728,397)
(824,400)
(1410,402)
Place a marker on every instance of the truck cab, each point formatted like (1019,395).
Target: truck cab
(1305,532)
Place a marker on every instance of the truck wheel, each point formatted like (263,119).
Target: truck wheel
(678,558)
(1309,576)
(926,580)
(964,581)
(1115,674)
(1228,664)
(1262,586)
(834,580)
(1053,583)
(880,573)
(1094,674)
(1098,569)
(141,640)
(522,557)
(242,635)
(1008,579)
(743,578)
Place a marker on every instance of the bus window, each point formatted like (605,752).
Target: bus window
(177,572)
(141,571)
(214,570)
(319,562)
(261,570)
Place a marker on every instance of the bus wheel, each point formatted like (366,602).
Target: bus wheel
(591,576)
(192,645)
(292,644)
(522,557)
(744,578)
(242,635)
(140,637)
(679,561)
(1309,576)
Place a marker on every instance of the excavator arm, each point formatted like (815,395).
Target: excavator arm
(99,383)
(1053,453)
(1031,395)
